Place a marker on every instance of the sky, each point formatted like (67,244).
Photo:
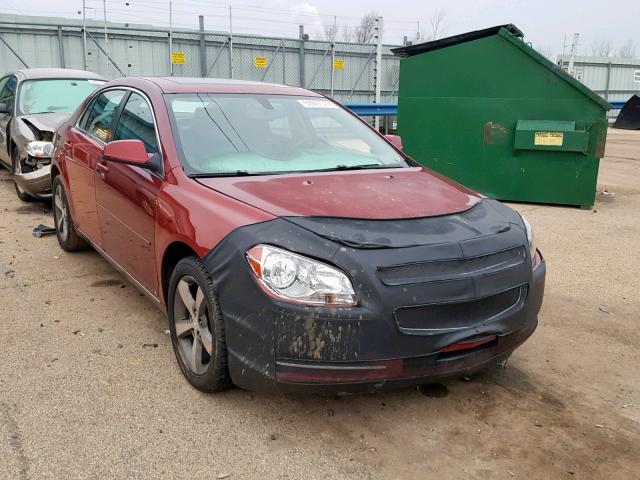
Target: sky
(548,24)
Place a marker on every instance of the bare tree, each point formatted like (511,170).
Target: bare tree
(347,32)
(365,31)
(628,50)
(545,51)
(438,27)
(602,48)
(330,32)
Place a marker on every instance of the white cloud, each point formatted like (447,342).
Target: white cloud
(306,13)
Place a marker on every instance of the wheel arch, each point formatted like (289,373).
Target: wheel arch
(55,171)
(175,251)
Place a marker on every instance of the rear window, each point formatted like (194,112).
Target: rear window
(97,120)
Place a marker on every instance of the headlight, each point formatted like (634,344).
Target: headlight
(532,245)
(38,149)
(295,278)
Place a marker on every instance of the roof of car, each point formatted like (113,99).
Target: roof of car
(32,73)
(213,85)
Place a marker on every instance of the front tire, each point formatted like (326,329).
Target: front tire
(196,327)
(17,168)
(68,238)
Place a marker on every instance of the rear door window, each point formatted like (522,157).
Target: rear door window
(97,120)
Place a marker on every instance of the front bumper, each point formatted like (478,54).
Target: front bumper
(36,183)
(497,341)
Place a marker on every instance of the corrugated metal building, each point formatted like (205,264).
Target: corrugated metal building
(614,79)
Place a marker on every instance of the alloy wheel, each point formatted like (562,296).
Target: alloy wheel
(61,213)
(192,325)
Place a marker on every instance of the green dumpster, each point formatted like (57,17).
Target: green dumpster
(487,110)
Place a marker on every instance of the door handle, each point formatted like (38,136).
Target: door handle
(102,169)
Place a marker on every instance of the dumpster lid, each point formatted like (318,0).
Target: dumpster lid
(419,48)
(512,34)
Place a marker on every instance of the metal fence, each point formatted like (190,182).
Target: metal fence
(614,79)
(345,71)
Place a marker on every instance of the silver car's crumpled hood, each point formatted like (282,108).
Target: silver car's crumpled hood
(46,122)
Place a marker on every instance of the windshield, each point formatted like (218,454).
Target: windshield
(260,134)
(54,95)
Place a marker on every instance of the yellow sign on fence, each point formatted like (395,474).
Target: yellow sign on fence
(260,62)
(178,58)
(338,64)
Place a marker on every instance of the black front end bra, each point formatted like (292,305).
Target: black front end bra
(437,296)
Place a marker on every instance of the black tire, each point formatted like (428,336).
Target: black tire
(22,195)
(68,238)
(199,321)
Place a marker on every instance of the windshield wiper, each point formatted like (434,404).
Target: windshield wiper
(237,173)
(246,173)
(356,167)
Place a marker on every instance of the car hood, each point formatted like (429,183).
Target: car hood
(46,122)
(364,194)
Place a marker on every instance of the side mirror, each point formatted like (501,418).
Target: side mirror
(395,140)
(131,152)
(4,108)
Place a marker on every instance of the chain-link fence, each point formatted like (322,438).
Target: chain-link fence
(346,71)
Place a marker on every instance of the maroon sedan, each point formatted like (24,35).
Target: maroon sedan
(292,246)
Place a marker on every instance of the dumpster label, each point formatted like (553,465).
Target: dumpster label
(338,64)
(178,58)
(549,138)
(260,62)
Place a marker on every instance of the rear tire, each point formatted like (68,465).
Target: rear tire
(68,238)
(196,327)
(15,162)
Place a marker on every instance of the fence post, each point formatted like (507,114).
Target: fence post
(333,58)
(377,67)
(301,56)
(61,47)
(608,86)
(284,68)
(203,48)
(230,43)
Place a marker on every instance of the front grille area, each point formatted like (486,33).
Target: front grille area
(438,270)
(440,317)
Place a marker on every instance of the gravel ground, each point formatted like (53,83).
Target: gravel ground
(85,393)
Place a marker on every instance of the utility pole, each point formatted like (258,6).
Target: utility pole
(572,56)
(106,37)
(170,38)
(84,33)
(377,68)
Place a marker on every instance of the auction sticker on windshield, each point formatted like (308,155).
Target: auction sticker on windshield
(319,103)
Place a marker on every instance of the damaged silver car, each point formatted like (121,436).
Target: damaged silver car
(33,103)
